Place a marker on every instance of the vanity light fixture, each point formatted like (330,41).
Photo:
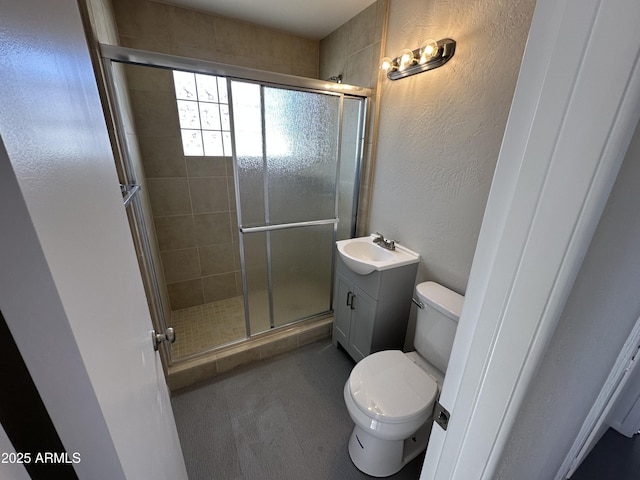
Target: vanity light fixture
(430,55)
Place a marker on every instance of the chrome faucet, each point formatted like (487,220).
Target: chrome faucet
(379,239)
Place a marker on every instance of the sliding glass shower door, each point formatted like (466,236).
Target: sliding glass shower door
(288,152)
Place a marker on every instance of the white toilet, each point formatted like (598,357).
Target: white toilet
(390,395)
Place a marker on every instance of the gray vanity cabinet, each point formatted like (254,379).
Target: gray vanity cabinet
(371,311)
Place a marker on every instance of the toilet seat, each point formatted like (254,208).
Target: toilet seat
(389,387)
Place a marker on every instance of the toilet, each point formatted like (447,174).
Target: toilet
(390,395)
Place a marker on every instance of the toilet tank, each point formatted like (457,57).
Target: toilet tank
(437,323)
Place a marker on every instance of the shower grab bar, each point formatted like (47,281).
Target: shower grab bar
(283,226)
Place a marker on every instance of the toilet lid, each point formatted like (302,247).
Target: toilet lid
(389,386)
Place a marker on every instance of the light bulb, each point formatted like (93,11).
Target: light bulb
(428,50)
(387,65)
(405,59)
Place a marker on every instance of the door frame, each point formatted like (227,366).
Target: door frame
(563,129)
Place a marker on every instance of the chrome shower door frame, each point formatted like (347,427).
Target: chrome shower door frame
(111,54)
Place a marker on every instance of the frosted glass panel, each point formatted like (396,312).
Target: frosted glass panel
(188,114)
(301,272)
(301,133)
(287,149)
(255,251)
(247,122)
(185,85)
(209,116)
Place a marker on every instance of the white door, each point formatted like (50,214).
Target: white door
(70,288)
(564,129)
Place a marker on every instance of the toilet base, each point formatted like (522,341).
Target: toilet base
(382,458)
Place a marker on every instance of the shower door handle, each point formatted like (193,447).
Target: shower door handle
(169,335)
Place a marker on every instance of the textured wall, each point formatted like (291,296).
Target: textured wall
(440,132)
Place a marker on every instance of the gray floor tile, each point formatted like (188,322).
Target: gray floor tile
(283,418)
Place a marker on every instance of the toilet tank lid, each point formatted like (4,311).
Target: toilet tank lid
(441,298)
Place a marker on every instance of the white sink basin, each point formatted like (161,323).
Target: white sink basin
(363,256)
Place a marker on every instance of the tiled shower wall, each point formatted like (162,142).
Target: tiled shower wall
(157,27)
(192,198)
(354,51)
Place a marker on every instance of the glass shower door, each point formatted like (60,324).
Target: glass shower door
(287,145)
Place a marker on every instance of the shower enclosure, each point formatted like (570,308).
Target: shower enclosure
(249,177)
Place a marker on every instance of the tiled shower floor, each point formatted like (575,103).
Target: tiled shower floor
(203,327)
(206,326)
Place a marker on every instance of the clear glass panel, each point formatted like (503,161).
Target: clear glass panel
(301,272)
(301,132)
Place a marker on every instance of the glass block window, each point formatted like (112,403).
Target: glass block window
(203,109)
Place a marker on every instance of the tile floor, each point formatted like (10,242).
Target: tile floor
(203,327)
(284,418)
(277,419)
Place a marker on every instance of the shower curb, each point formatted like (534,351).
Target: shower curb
(209,365)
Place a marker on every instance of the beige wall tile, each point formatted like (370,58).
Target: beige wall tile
(277,346)
(209,194)
(175,232)
(212,228)
(362,28)
(149,79)
(141,18)
(206,166)
(217,259)
(146,43)
(358,68)
(155,113)
(180,265)
(157,27)
(185,294)
(240,357)
(163,157)
(219,287)
(169,196)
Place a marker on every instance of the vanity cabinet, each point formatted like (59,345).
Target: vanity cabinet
(371,311)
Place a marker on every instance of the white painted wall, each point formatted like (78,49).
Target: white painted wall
(440,131)
(599,314)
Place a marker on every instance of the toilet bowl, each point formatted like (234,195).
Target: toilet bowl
(390,395)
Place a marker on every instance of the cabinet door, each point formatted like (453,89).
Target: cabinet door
(362,320)
(342,315)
